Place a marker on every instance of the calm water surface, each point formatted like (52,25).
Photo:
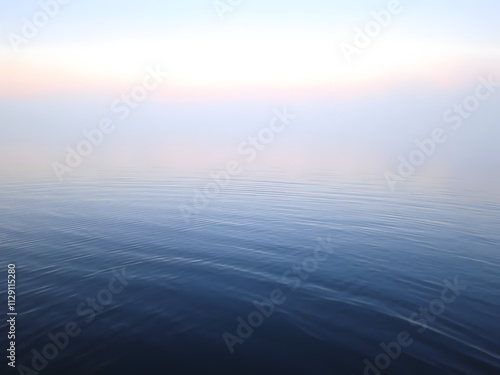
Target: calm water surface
(186,284)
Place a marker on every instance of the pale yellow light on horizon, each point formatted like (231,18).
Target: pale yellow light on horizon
(222,62)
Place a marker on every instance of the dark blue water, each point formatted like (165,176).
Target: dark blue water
(182,288)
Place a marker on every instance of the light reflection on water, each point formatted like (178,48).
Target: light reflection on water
(392,252)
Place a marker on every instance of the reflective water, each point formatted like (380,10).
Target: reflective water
(150,293)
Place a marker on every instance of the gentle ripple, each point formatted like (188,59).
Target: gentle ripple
(189,282)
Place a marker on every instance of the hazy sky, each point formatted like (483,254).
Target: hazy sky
(227,75)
